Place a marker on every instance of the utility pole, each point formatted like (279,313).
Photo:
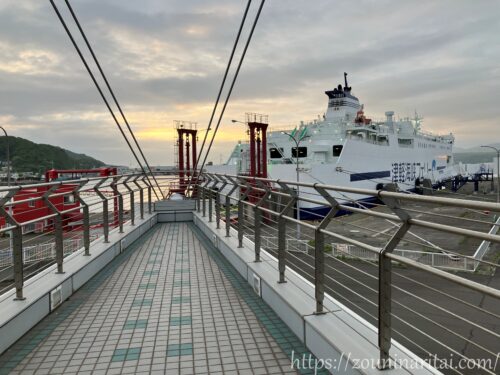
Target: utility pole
(297,141)
(8,156)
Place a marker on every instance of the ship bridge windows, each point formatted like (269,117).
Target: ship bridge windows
(276,153)
(337,150)
(405,142)
(301,153)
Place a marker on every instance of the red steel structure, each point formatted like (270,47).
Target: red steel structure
(186,148)
(29,211)
(257,130)
(258,145)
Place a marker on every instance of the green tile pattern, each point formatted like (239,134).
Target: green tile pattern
(121,321)
(152,272)
(30,341)
(130,354)
(181,299)
(147,286)
(176,350)
(180,320)
(142,302)
(285,338)
(136,324)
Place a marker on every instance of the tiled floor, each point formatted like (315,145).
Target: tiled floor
(167,305)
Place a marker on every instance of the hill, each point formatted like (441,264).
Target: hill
(27,156)
(475,155)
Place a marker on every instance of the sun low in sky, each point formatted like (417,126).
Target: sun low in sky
(165,60)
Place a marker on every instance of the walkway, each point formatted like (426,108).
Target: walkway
(167,305)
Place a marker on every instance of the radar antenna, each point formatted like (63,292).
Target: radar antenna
(418,120)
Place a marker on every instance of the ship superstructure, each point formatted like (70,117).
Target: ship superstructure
(345,148)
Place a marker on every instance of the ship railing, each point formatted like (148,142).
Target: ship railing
(367,140)
(423,304)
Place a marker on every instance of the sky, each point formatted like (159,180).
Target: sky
(165,61)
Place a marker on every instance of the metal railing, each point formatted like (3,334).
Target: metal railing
(63,217)
(42,251)
(434,312)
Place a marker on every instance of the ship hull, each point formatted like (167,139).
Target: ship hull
(365,166)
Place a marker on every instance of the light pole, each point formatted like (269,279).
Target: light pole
(498,170)
(297,143)
(11,238)
(8,156)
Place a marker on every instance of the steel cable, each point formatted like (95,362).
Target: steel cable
(98,87)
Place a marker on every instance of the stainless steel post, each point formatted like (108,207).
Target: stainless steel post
(210,196)
(132,201)
(141,197)
(217,208)
(58,232)
(132,208)
(228,205)
(58,228)
(203,196)
(281,248)
(105,219)
(120,212)
(241,223)
(258,221)
(385,298)
(319,250)
(228,215)
(86,230)
(257,214)
(218,204)
(282,231)
(17,252)
(105,210)
(241,213)
(16,235)
(119,196)
(86,219)
(150,197)
(385,284)
(198,200)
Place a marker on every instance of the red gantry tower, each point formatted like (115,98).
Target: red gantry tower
(186,151)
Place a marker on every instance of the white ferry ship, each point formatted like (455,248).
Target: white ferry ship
(345,148)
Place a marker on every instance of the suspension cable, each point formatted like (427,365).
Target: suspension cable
(235,45)
(84,61)
(233,82)
(111,92)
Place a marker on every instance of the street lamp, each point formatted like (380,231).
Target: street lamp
(11,238)
(8,156)
(498,170)
(297,143)
(241,122)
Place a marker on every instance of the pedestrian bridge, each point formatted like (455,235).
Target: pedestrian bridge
(183,288)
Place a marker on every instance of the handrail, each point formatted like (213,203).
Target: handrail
(255,194)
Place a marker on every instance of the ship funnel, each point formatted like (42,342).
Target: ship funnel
(389,115)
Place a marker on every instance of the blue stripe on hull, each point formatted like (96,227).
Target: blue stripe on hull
(318,213)
(369,175)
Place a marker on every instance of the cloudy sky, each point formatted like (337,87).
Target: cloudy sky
(165,60)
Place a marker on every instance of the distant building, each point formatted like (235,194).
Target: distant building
(163,168)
